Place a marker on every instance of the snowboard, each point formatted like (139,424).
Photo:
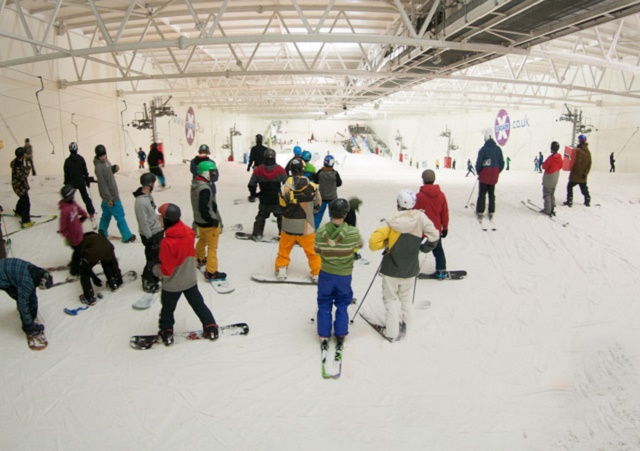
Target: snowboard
(243,200)
(36,223)
(70,279)
(222,286)
(248,236)
(144,342)
(37,342)
(291,278)
(451,275)
(127,277)
(145,301)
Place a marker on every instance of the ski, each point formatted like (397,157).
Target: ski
(13,215)
(533,207)
(144,342)
(337,359)
(377,327)
(49,219)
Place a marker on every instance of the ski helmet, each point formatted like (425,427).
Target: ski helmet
(100,150)
(73,147)
(406,199)
(296,166)
(428,176)
(204,149)
(555,146)
(258,139)
(205,168)
(329,161)
(67,193)
(297,151)
(269,156)
(339,208)
(306,156)
(20,152)
(582,138)
(170,214)
(147,179)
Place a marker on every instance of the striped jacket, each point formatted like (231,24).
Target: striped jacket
(336,245)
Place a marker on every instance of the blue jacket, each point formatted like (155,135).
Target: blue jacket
(490,163)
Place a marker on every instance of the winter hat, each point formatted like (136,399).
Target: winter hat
(20,152)
(428,176)
(40,277)
(204,149)
(582,139)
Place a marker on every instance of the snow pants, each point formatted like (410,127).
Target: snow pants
(264,211)
(23,208)
(320,214)
(208,241)
(306,242)
(117,212)
(28,310)
(333,290)
(157,171)
(584,189)
(549,183)
(397,294)
(438,253)
(485,190)
(86,199)
(151,250)
(169,300)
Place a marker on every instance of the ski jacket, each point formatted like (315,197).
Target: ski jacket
(336,244)
(155,158)
(309,171)
(552,164)
(490,163)
(328,181)
(402,237)
(17,281)
(177,267)
(256,156)
(97,248)
(300,200)
(145,208)
(19,177)
(107,186)
(142,156)
(432,201)
(71,215)
(270,179)
(581,165)
(75,171)
(193,167)
(205,208)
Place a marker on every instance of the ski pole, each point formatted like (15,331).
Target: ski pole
(367,292)
(469,200)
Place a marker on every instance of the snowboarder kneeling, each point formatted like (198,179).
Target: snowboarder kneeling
(19,279)
(95,249)
(178,271)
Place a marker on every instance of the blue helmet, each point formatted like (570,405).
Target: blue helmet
(306,156)
(297,151)
(329,161)
(582,138)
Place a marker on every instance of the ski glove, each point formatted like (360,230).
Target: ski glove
(428,246)
(444,233)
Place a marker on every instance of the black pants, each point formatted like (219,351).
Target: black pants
(170,300)
(151,251)
(82,189)
(470,171)
(482,194)
(584,189)
(23,208)
(111,272)
(264,211)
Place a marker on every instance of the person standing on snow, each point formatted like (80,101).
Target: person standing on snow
(256,156)
(328,181)
(155,160)
(470,168)
(28,156)
(71,218)
(489,165)
(309,168)
(77,175)
(580,172)
(204,154)
(551,166)
(432,201)
(297,155)
(269,176)
(142,157)
(401,238)
(612,163)
(150,230)
(20,184)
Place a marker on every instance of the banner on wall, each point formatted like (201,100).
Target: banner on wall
(190,126)
(502,127)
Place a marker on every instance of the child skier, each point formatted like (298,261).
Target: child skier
(142,157)
(177,269)
(71,218)
(269,176)
(551,166)
(401,238)
(328,181)
(95,249)
(150,230)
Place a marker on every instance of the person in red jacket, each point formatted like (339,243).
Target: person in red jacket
(551,166)
(177,269)
(71,218)
(432,201)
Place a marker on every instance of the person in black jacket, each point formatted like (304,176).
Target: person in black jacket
(155,159)
(77,175)
(269,176)
(256,157)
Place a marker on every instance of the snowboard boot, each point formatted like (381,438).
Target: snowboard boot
(587,201)
(113,283)
(33,329)
(281,274)
(256,237)
(202,262)
(215,276)
(89,299)
(211,331)
(441,274)
(167,336)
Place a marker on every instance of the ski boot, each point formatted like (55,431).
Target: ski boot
(211,331)
(167,336)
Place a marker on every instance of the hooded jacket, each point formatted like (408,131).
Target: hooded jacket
(328,181)
(270,178)
(107,186)
(432,201)
(581,165)
(215,175)
(145,208)
(336,244)
(203,202)
(552,164)
(75,171)
(300,200)
(19,177)
(490,163)
(70,225)
(177,255)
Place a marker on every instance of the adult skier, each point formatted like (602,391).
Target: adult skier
(269,176)
(328,181)
(489,165)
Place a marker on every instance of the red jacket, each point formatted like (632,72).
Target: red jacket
(434,204)
(70,224)
(552,164)
(177,259)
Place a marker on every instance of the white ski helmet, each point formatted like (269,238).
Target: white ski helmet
(406,199)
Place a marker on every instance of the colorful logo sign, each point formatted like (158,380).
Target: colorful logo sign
(502,127)
(190,126)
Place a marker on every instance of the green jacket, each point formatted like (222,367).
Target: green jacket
(336,245)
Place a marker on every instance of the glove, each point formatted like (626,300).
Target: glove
(144,239)
(248,169)
(83,218)
(444,233)
(428,246)
(252,198)
(91,180)
(115,168)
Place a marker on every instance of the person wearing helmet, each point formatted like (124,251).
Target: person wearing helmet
(309,168)
(269,176)
(155,160)
(111,204)
(142,158)
(70,225)
(77,175)
(551,166)
(336,243)
(204,154)
(256,156)
(28,156)
(489,165)
(297,155)
(401,238)
(207,220)
(178,271)
(579,172)
(328,181)
(299,199)
(20,184)
(150,230)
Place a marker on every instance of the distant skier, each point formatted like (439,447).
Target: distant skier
(256,156)
(470,168)
(28,156)
(269,177)
(551,166)
(328,180)
(540,160)
(142,157)
(508,161)
(77,175)
(489,165)
(155,160)
(612,163)
(580,172)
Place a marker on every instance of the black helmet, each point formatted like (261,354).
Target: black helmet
(339,208)
(258,138)
(204,149)
(270,155)
(100,150)
(73,147)
(297,166)
(20,152)
(170,213)
(67,193)
(147,179)
(555,146)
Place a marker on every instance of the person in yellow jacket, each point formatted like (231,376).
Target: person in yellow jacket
(402,240)
(300,201)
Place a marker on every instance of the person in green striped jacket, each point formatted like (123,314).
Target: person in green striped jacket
(335,243)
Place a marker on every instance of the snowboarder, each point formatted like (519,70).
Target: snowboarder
(71,218)
(328,181)
(28,156)
(155,159)
(489,165)
(256,156)
(111,204)
(20,184)
(401,238)
(580,172)
(95,249)
(204,154)
(142,157)
(269,176)
(207,219)
(150,230)
(335,243)
(612,163)
(177,269)
(299,199)
(470,168)
(77,175)
(551,166)
(432,201)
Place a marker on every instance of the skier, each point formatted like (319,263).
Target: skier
(489,165)
(328,181)
(508,161)
(77,175)
(177,269)
(299,199)
(309,168)
(111,204)
(536,164)
(401,238)
(256,156)
(155,159)
(437,164)
(142,157)
(470,168)
(269,176)
(20,184)
(71,218)
(207,220)
(204,155)
(335,243)
(612,162)
(432,201)
(580,172)
(19,279)
(551,166)
(95,249)
(453,165)
(28,154)
(150,230)
(540,161)
(297,155)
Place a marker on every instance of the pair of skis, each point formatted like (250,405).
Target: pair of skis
(533,207)
(337,359)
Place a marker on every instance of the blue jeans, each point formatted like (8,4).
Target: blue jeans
(438,253)
(118,214)
(333,290)
(320,214)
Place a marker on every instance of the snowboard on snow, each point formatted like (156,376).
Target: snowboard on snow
(249,236)
(144,342)
(145,301)
(451,275)
(127,277)
(291,278)
(37,342)
(222,286)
